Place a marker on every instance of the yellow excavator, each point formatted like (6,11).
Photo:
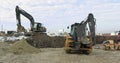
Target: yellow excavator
(82,36)
(112,44)
(35,26)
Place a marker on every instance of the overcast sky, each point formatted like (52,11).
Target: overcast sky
(58,14)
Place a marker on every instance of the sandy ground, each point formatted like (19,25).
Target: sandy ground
(58,55)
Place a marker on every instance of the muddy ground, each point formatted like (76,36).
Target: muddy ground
(58,55)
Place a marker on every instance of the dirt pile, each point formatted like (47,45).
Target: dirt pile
(100,39)
(3,48)
(22,47)
(57,41)
(45,41)
(41,40)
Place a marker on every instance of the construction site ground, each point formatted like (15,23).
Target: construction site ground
(57,55)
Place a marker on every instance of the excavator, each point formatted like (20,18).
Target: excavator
(82,36)
(35,26)
(37,31)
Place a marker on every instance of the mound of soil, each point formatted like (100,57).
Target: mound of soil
(100,39)
(4,48)
(42,40)
(22,47)
(45,41)
(57,42)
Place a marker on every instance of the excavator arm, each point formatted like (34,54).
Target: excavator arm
(27,15)
(79,30)
(36,27)
(92,22)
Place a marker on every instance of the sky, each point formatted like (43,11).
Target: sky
(58,14)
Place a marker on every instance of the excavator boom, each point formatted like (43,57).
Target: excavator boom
(27,15)
(80,29)
(34,25)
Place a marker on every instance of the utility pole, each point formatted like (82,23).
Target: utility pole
(0,22)
(1,27)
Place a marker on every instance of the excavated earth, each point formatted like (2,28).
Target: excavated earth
(41,40)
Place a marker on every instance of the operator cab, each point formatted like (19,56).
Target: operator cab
(38,27)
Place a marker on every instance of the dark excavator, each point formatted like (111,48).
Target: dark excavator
(35,26)
(36,34)
(82,36)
